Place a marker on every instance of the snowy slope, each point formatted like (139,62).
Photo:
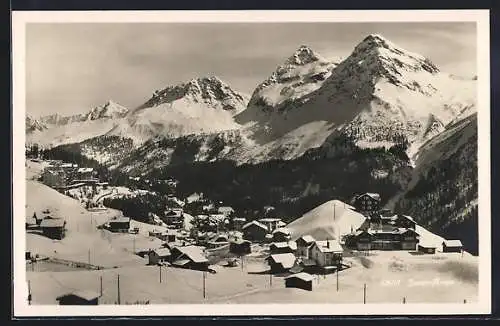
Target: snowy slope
(327,221)
(202,105)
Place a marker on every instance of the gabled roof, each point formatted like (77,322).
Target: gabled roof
(194,253)
(452,243)
(52,223)
(329,246)
(121,219)
(302,275)
(225,209)
(162,252)
(85,170)
(280,245)
(307,238)
(286,260)
(282,230)
(256,223)
(372,195)
(269,220)
(84,294)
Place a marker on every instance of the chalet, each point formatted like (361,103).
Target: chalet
(300,280)
(404,221)
(225,210)
(191,257)
(218,240)
(53,228)
(452,246)
(271,223)
(409,239)
(174,218)
(238,223)
(426,248)
(158,256)
(326,253)
(79,298)
(304,243)
(254,231)
(363,239)
(367,202)
(280,263)
(85,173)
(119,224)
(281,235)
(240,247)
(55,178)
(168,235)
(283,247)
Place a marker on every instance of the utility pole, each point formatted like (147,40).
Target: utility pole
(270,279)
(29,293)
(118,288)
(404,300)
(337,279)
(364,293)
(89,258)
(160,272)
(204,288)
(134,243)
(101,285)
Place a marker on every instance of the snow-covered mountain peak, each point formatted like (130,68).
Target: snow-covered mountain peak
(210,90)
(302,56)
(110,109)
(380,54)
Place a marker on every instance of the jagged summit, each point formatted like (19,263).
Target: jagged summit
(110,109)
(208,89)
(382,53)
(303,55)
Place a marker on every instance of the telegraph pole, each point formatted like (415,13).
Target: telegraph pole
(29,293)
(204,287)
(160,272)
(118,288)
(404,300)
(337,279)
(270,279)
(101,284)
(89,258)
(364,293)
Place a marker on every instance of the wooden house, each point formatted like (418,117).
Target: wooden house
(255,231)
(405,221)
(240,247)
(304,243)
(452,246)
(283,247)
(363,239)
(119,224)
(191,257)
(281,235)
(271,223)
(238,223)
(159,255)
(79,298)
(426,248)
(53,228)
(367,202)
(409,239)
(281,263)
(326,253)
(174,218)
(300,280)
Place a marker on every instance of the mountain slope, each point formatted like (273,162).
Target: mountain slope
(443,193)
(202,105)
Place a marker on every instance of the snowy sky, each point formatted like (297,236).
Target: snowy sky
(74,67)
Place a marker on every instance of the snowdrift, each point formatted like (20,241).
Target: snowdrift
(327,221)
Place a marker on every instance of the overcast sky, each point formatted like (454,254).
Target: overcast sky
(74,67)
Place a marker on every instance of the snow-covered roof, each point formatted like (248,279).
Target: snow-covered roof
(162,252)
(194,253)
(257,223)
(302,275)
(307,238)
(84,294)
(269,220)
(85,170)
(286,260)
(282,230)
(120,219)
(329,246)
(371,195)
(452,243)
(290,244)
(281,224)
(225,209)
(52,223)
